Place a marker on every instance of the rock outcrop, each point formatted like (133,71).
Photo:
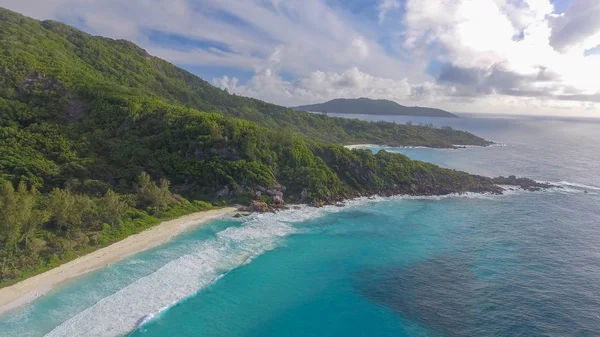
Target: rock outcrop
(422,185)
(259,207)
(524,183)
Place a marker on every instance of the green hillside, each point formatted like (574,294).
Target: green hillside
(99,140)
(78,66)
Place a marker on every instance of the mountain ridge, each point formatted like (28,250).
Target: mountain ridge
(134,71)
(368,106)
(100,140)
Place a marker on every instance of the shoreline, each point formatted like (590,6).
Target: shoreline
(26,291)
(452,147)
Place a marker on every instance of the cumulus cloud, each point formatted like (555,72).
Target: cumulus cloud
(317,86)
(496,80)
(504,47)
(314,35)
(578,26)
(476,33)
(503,53)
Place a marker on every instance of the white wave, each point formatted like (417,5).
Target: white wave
(576,185)
(358,202)
(141,301)
(467,195)
(145,319)
(408,147)
(145,299)
(508,190)
(559,189)
(570,187)
(494,144)
(361,146)
(388,148)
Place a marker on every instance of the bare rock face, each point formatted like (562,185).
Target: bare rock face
(224,192)
(524,183)
(304,198)
(261,189)
(275,193)
(277,190)
(259,207)
(278,199)
(279,187)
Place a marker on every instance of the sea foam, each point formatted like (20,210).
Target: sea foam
(392,148)
(139,302)
(146,298)
(576,185)
(571,187)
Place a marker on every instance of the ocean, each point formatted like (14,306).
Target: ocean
(520,264)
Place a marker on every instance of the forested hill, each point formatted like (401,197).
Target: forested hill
(58,60)
(99,140)
(369,106)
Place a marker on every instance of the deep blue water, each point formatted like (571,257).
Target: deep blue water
(522,264)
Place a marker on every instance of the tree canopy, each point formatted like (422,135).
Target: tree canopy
(99,140)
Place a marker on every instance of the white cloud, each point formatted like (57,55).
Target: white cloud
(42,9)
(500,53)
(321,86)
(502,35)
(361,48)
(312,36)
(317,86)
(578,27)
(112,26)
(386,6)
(474,33)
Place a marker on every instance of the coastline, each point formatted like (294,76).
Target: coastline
(453,147)
(28,290)
(360,146)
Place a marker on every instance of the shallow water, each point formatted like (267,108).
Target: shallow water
(522,264)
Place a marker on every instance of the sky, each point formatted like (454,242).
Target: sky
(497,56)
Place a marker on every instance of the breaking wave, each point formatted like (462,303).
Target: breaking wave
(208,261)
(141,301)
(392,148)
(577,186)
(570,187)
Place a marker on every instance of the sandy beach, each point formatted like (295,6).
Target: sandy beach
(360,146)
(28,290)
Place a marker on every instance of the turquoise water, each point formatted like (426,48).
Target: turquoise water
(522,264)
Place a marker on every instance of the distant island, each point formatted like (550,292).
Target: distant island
(101,140)
(367,106)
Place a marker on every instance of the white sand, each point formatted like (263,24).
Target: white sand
(360,146)
(28,290)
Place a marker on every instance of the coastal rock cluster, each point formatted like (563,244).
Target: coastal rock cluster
(422,186)
(523,183)
(275,193)
(267,199)
(89,159)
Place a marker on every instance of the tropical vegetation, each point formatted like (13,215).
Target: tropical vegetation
(99,140)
